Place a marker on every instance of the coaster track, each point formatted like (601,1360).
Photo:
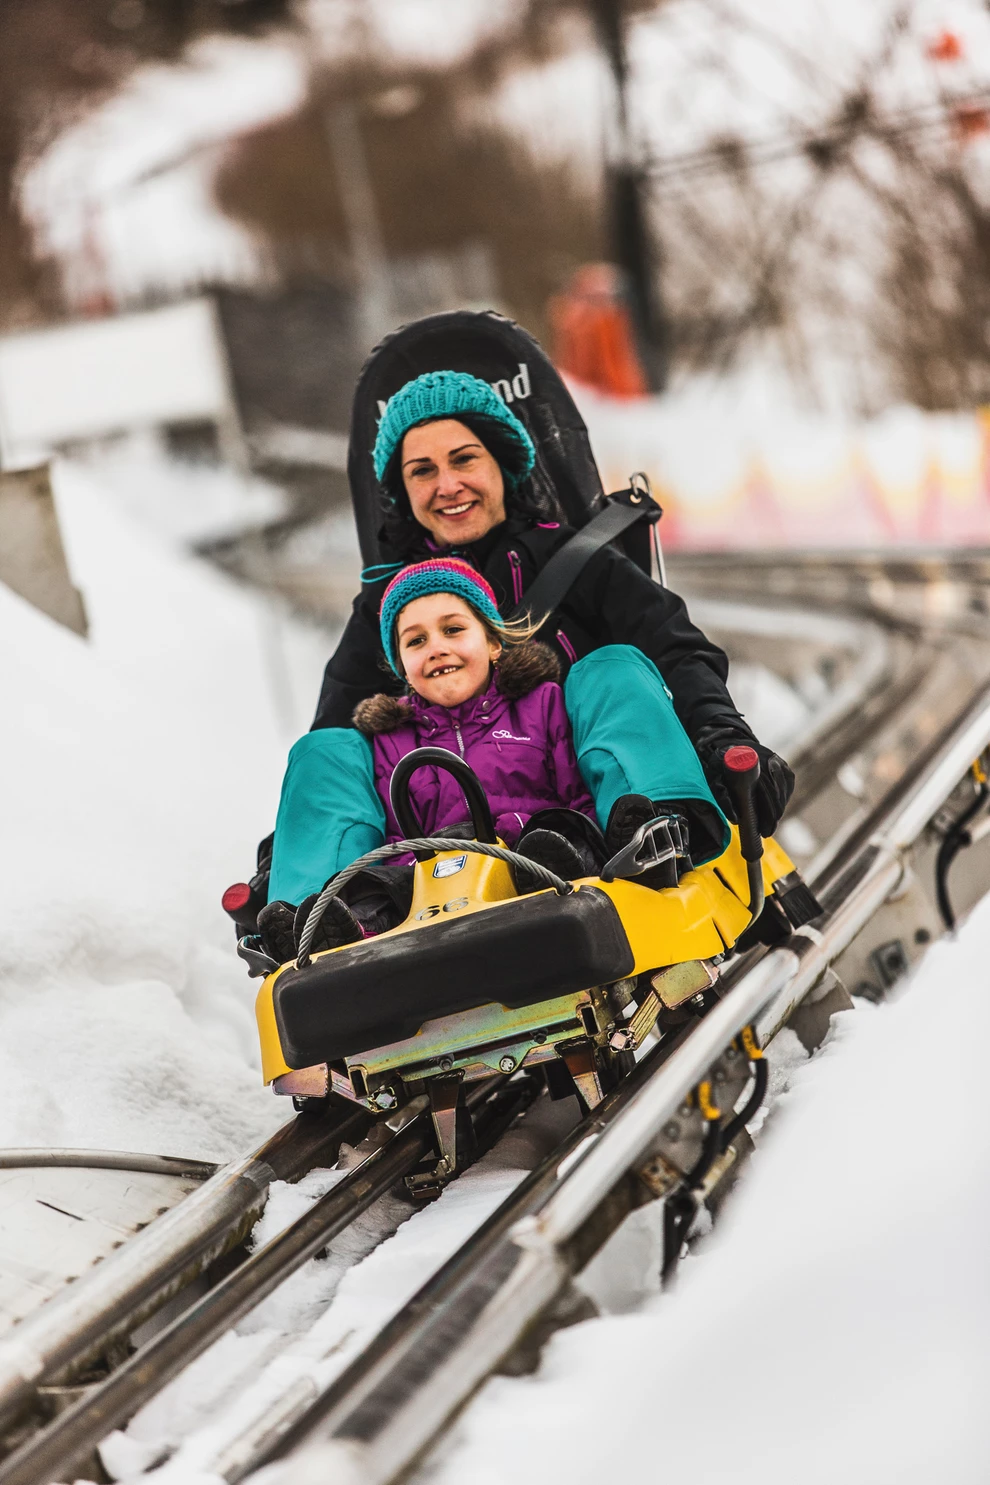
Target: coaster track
(920,629)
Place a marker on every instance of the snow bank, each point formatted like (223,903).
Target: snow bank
(139,770)
(837,1325)
(738,462)
(124,198)
(183,502)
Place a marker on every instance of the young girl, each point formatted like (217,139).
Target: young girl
(482,689)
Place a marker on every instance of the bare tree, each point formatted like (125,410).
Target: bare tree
(856,236)
(60,57)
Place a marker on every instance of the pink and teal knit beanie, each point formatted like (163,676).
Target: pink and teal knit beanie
(441,575)
(448,394)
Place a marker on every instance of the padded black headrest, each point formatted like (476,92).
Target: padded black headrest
(502,353)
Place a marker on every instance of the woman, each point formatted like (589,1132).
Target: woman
(455,468)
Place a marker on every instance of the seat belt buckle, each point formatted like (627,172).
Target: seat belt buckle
(638,496)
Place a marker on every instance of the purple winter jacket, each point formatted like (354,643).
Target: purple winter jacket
(516,737)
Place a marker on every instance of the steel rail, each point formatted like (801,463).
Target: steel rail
(27,1158)
(114,1297)
(399,1334)
(58,1449)
(895,658)
(394,1148)
(866,637)
(388,1406)
(910,803)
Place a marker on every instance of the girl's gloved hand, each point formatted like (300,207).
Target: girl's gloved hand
(776,782)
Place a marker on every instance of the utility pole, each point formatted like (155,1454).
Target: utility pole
(627,196)
(374,290)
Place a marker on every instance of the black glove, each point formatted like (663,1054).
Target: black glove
(776,782)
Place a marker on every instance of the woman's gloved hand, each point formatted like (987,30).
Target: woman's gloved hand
(776,782)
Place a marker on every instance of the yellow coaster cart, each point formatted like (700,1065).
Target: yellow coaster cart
(482,979)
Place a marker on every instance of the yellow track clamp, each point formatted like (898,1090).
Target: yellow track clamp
(705,1104)
(978,770)
(750,1045)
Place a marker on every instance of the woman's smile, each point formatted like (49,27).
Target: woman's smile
(455,510)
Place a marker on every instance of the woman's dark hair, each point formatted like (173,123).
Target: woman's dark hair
(533,498)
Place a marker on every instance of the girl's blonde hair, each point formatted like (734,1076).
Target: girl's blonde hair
(509,633)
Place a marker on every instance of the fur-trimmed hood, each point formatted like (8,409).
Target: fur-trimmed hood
(519,671)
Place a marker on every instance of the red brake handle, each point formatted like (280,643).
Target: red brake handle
(742,771)
(236,898)
(742,761)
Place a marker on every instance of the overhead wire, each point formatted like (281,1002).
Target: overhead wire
(727,155)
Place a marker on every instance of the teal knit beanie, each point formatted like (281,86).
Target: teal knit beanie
(448,394)
(439,575)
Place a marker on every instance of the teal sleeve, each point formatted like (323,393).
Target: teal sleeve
(329,812)
(629,739)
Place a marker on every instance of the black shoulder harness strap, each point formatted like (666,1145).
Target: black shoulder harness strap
(553,583)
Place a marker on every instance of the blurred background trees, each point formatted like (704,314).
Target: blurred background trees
(796,181)
(60,58)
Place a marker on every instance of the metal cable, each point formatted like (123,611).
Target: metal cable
(432,844)
(69,1159)
(956,839)
(761,1076)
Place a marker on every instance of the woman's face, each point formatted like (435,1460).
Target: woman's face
(444,649)
(455,486)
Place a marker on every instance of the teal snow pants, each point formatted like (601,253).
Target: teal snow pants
(627,737)
(629,740)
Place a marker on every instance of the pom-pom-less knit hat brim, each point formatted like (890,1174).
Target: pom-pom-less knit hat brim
(449,394)
(440,575)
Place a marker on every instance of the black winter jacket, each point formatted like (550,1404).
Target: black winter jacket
(612,602)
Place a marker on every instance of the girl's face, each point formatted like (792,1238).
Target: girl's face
(454,484)
(444,649)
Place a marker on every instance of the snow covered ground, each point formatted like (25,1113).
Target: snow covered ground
(835,1326)
(312,1327)
(181,501)
(140,768)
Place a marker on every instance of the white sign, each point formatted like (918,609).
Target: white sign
(97,377)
